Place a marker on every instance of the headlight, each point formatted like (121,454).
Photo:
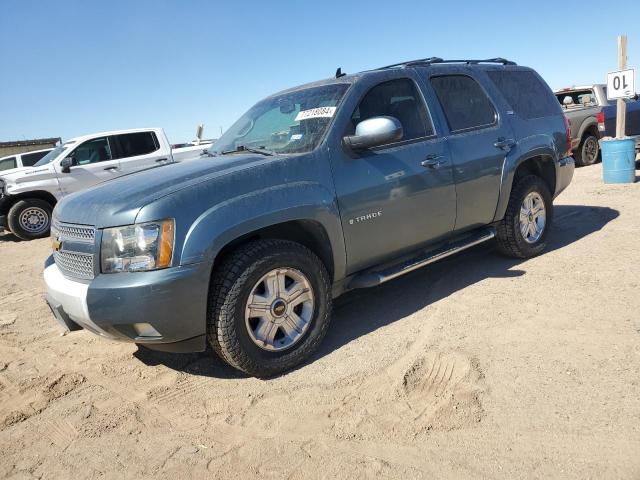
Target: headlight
(137,248)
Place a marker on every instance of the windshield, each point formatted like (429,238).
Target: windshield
(51,156)
(290,123)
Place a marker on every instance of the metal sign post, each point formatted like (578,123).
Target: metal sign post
(622,106)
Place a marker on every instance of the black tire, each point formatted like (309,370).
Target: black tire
(41,209)
(232,283)
(511,241)
(588,151)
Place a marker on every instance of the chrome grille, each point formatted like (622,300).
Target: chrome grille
(73,264)
(65,231)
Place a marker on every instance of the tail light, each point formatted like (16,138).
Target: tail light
(567,129)
(600,117)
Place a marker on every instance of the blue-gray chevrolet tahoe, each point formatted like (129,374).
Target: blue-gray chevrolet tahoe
(339,184)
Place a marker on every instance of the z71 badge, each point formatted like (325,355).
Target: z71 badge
(364,218)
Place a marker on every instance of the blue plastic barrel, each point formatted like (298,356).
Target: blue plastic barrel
(618,160)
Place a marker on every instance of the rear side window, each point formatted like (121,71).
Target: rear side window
(134,144)
(7,163)
(527,95)
(465,104)
(30,159)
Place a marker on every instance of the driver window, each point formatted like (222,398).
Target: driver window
(92,151)
(399,99)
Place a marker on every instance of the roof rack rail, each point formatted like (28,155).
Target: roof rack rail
(432,60)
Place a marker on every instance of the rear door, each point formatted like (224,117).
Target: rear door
(479,141)
(140,150)
(92,163)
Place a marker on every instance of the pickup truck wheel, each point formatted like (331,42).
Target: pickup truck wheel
(269,307)
(30,219)
(587,152)
(522,233)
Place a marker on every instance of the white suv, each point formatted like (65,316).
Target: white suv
(28,195)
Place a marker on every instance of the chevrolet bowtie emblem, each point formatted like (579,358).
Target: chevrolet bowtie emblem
(57,244)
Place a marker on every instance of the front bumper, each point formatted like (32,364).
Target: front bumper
(163,309)
(564,174)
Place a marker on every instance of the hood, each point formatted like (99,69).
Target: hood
(117,202)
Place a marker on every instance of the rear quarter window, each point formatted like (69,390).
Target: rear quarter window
(527,95)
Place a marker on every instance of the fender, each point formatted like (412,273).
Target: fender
(525,149)
(588,122)
(255,210)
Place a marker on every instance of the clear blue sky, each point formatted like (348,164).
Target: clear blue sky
(71,67)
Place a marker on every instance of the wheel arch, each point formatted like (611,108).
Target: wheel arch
(11,200)
(310,233)
(540,164)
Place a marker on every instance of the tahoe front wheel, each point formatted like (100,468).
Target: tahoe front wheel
(269,306)
(522,233)
(30,219)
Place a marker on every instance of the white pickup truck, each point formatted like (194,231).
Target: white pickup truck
(28,195)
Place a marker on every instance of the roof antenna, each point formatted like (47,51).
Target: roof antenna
(339,73)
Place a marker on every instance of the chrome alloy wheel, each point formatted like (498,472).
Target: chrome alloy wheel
(533,217)
(279,309)
(34,220)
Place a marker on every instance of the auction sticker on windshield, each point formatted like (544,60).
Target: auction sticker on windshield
(320,112)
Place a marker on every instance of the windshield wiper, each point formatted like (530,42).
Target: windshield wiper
(242,148)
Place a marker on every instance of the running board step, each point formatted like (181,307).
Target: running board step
(376,277)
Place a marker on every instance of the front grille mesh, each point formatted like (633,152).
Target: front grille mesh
(72,264)
(73,232)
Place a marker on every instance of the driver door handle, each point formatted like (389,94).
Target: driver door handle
(113,167)
(433,161)
(161,160)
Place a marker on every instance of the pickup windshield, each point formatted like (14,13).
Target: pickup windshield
(51,156)
(293,122)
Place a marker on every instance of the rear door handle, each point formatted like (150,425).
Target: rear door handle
(161,160)
(504,143)
(111,168)
(433,161)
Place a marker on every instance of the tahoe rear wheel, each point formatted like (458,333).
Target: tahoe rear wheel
(587,152)
(269,306)
(522,233)
(30,219)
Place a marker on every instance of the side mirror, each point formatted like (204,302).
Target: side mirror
(66,164)
(373,132)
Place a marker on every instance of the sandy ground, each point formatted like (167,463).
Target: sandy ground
(476,367)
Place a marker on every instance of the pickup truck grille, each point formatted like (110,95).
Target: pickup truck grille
(73,232)
(71,264)
(75,249)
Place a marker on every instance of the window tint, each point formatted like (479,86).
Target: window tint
(527,95)
(133,144)
(92,151)
(8,163)
(464,103)
(30,159)
(399,99)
